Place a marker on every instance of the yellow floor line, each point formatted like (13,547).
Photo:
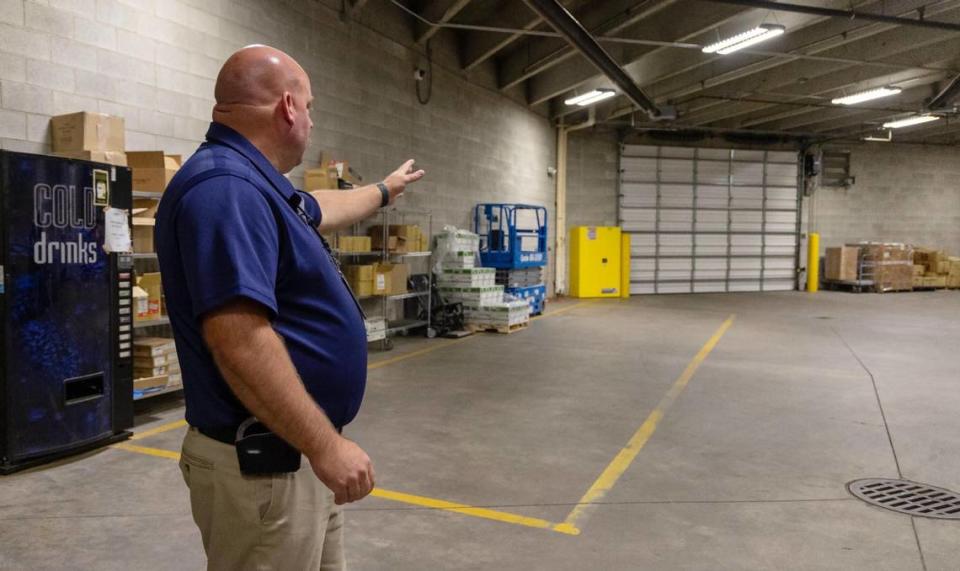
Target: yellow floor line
(484,513)
(444,344)
(626,456)
(412,354)
(160,429)
(419,501)
(159,452)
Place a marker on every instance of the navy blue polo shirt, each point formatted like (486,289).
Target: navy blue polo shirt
(226,228)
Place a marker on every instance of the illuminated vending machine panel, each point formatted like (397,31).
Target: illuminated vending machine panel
(595,261)
(65,313)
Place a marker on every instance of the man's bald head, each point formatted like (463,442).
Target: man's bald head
(257,75)
(264,94)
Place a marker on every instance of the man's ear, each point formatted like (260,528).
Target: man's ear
(288,107)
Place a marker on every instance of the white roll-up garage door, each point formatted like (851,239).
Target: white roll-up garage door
(709,220)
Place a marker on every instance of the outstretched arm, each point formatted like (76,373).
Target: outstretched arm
(342,208)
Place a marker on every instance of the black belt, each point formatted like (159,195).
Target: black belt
(229,435)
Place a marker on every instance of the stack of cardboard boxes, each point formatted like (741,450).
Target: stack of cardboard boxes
(89,136)
(935,269)
(400,238)
(152,172)
(888,265)
(377,279)
(155,365)
(332,174)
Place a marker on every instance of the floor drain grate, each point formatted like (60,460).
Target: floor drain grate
(908,497)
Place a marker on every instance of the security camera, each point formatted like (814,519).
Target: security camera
(551,171)
(419,74)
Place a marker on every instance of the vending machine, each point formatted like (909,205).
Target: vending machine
(66,377)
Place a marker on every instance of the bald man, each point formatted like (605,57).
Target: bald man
(271,341)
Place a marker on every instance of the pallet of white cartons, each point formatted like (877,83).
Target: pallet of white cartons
(505,329)
(467,277)
(473,295)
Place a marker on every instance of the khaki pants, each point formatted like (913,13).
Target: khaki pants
(287,522)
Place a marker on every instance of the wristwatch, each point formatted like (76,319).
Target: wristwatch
(384,194)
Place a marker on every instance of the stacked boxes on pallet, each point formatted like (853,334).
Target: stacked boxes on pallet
(501,315)
(888,266)
(459,280)
(155,365)
(934,269)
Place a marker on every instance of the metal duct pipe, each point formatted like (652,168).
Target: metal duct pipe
(946,97)
(846,14)
(564,22)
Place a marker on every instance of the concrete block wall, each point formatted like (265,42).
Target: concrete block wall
(154,62)
(903,193)
(592,178)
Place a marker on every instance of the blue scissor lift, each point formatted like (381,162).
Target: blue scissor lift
(513,239)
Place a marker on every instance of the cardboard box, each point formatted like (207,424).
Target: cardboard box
(144,372)
(355,243)
(152,170)
(148,383)
(376,243)
(150,282)
(147,347)
(361,279)
(116,158)
(152,362)
(392,278)
(888,265)
(143,235)
(842,263)
(85,131)
(322,178)
(408,237)
(175,380)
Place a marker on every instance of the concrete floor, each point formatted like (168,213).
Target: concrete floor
(746,469)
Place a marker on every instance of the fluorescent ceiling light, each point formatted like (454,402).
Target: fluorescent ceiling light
(591,97)
(745,39)
(866,96)
(910,121)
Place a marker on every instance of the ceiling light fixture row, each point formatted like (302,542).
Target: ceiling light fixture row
(868,95)
(910,121)
(591,97)
(746,39)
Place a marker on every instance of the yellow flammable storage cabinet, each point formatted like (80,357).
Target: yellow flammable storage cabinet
(595,261)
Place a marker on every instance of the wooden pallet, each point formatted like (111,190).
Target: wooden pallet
(505,330)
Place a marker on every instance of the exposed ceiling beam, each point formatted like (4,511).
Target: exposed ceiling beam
(564,22)
(673,74)
(947,95)
(558,81)
(600,17)
(440,12)
(852,116)
(896,45)
(478,47)
(921,21)
(692,75)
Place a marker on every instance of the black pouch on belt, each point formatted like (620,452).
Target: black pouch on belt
(260,451)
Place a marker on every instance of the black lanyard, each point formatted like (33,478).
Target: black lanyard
(308,220)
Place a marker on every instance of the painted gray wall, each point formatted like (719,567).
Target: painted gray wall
(903,193)
(154,62)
